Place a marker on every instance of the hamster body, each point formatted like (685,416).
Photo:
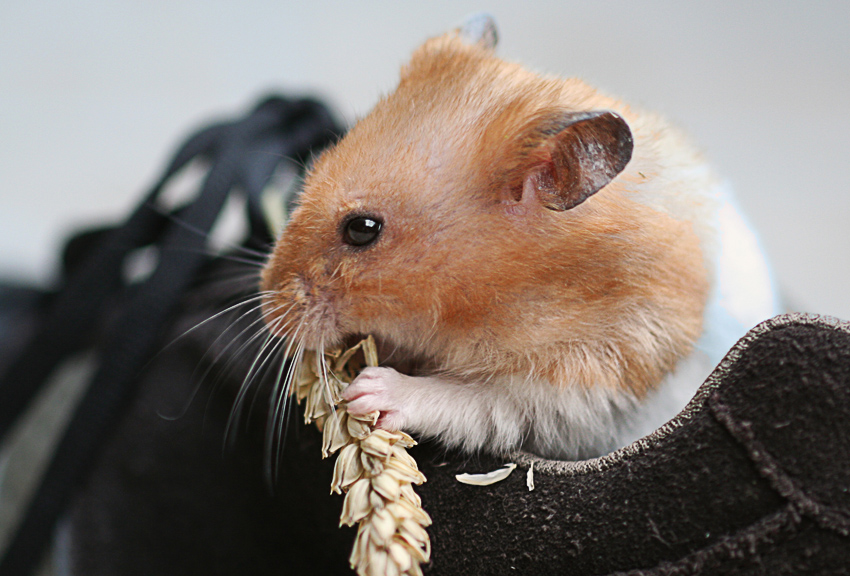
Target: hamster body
(547,267)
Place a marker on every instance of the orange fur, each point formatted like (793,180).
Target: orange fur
(468,278)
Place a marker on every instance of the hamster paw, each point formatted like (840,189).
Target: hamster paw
(378,388)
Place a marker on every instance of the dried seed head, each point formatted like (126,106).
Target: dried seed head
(387,486)
(377,565)
(411,496)
(403,472)
(370,351)
(400,453)
(356,505)
(377,444)
(330,430)
(376,501)
(383,527)
(404,439)
(347,468)
(400,555)
(358,429)
(373,467)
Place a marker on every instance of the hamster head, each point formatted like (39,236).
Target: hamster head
(479,221)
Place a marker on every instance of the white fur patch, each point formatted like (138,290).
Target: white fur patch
(500,415)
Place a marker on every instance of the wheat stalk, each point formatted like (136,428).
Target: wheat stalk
(373,468)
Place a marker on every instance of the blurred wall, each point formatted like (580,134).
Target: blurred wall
(94,95)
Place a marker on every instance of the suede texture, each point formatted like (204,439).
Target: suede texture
(752,478)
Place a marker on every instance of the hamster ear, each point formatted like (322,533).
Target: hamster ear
(580,153)
(480,29)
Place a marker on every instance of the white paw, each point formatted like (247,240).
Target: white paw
(381,389)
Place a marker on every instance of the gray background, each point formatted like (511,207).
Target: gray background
(95,95)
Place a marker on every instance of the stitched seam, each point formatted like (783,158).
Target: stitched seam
(770,469)
(743,546)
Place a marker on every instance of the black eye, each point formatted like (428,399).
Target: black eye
(361,230)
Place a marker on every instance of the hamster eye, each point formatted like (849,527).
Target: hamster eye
(361,230)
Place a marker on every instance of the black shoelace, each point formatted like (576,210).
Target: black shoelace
(242,156)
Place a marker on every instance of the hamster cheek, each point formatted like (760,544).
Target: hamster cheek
(381,389)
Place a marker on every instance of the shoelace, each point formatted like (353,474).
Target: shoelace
(242,156)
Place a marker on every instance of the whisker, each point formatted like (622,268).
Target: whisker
(237,337)
(235,282)
(239,401)
(197,326)
(288,405)
(185,225)
(253,298)
(280,402)
(280,324)
(276,431)
(274,326)
(215,360)
(258,260)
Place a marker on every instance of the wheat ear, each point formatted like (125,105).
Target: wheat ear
(373,468)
